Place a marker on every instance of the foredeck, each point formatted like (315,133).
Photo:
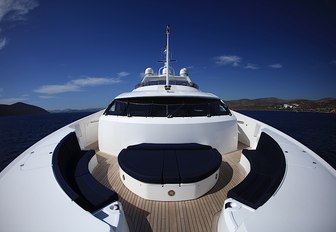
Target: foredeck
(193,215)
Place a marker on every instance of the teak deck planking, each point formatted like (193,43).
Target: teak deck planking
(192,215)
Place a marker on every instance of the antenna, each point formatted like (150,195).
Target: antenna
(167,86)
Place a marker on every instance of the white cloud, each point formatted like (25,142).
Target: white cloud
(56,89)
(15,10)
(47,96)
(9,101)
(76,85)
(251,66)
(123,74)
(3,42)
(275,65)
(228,60)
(94,81)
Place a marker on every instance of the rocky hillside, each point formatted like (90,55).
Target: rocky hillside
(20,109)
(327,105)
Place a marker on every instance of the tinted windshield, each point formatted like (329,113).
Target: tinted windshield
(167,107)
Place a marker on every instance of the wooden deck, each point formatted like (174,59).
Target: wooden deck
(193,215)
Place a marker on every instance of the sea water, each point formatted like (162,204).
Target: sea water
(315,130)
(17,133)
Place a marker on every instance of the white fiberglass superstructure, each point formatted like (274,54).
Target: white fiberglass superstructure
(167,109)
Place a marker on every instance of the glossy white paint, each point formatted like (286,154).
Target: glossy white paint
(169,192)
(118,132)
(303,202)
(159,91)
(32,200)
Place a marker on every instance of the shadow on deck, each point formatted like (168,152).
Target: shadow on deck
(193,215)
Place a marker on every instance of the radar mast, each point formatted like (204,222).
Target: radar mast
(167,86)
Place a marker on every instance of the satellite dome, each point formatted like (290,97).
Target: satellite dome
(183,72)
(149,72)
(164,71)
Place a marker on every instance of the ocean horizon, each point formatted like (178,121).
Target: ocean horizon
(317,131)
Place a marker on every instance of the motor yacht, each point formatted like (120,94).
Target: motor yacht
(167,156)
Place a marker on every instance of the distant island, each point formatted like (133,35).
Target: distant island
(325,105)
(76,110)
(21,109)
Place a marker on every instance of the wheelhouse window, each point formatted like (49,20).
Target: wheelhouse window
(167,107)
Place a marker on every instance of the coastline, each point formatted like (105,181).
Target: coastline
(325,105)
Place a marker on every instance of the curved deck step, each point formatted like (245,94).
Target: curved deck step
(193,215)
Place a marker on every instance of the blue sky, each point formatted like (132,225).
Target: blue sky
(81,54)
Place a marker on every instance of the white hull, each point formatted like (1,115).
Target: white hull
(303,201)
(51,186)
(31,198)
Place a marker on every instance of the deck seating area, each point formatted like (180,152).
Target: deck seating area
(151,216)
(70,167)
(268,167)
(169,163)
